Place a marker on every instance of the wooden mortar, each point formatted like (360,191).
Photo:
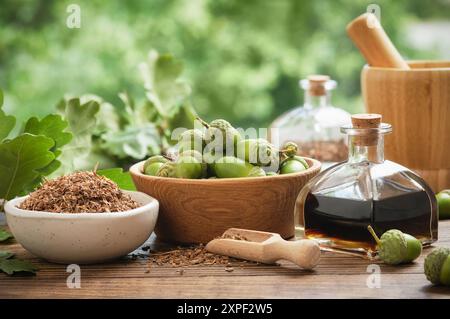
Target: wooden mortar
(414,97)
(416,102)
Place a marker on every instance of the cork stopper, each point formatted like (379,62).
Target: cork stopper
(366,121)
(317,84)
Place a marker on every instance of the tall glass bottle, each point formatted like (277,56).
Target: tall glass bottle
(337,205)
(315,125)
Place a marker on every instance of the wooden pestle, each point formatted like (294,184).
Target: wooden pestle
(369,36)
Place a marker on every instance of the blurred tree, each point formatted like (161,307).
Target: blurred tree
(243,58)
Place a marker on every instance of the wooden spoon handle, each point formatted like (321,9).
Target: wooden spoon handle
(368,35)
(304,253)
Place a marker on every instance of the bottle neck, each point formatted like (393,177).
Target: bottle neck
(317,101)
(358,152)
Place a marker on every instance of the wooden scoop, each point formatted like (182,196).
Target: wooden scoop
(368,35)
(265,247)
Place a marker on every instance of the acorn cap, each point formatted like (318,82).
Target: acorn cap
(167,170)
(191,135)
(256,172)
(290,149)
(192,153)
(434,262)
(221,124)
(222,128)
(393,247)
(154,159)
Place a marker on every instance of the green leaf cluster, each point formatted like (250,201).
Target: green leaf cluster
(243,58)
(121,178)
(168,96)
(5,235)
(11,265)
(114,135)
(29,156)
(88,131)
(81,119)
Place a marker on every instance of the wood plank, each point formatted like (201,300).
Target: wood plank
(337,276)
(330,286)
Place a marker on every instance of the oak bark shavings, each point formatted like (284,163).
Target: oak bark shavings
(193,256)
(80,192)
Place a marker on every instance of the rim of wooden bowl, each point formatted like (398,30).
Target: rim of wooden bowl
(438,68)
(314,166)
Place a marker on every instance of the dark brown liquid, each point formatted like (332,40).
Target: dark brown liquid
(346,220)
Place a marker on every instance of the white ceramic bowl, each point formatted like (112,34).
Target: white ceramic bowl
(83,238)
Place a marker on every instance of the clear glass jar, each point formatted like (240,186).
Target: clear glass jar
(337,205)
(315,125)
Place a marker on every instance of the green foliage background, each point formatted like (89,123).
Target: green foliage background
(243,59)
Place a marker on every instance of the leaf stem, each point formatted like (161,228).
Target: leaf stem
(96,168)
(374,235)
(202,122)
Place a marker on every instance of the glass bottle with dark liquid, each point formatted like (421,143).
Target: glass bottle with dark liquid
(337,205)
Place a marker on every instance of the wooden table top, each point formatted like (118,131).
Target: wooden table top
(337,276)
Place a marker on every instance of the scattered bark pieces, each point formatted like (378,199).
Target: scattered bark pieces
(229,269)
(190,256)
(80,192)
(234,237)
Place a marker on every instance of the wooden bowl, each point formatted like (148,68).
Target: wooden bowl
(199,210)
(417,104)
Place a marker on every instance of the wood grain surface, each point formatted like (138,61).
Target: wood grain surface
(417,104)
(197,211)
(369,36)
(336,276)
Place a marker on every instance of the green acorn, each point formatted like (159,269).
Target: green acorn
(153,168)
(191,140)
(290,149)
(294,158)
(256,172)
(230,136)
(437,266)
(443,200)
(392,247)
(154,159)
(291,166)
(188,167)
(232,167)
(168,169)
(396,247)
(210,158)
(258,152)
(198,157)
